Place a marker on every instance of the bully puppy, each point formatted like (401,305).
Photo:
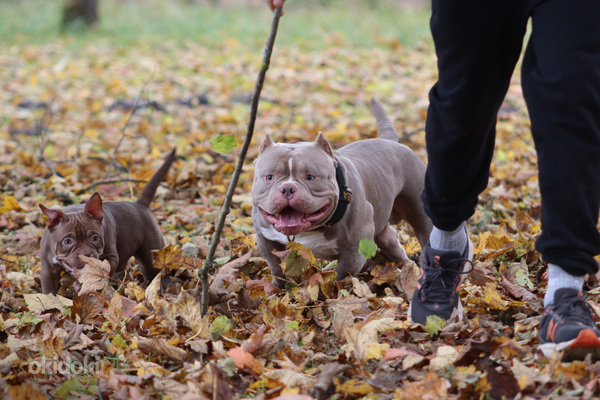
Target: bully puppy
(112,231)
(328,201)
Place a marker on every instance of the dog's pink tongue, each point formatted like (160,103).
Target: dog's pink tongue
(292,222)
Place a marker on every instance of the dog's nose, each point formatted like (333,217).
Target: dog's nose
(288,191)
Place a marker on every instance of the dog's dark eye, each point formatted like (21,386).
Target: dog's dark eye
(310,177)
(67,242)
(269,177)
(95,238)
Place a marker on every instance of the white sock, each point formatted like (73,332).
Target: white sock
(455,240)
(558,278)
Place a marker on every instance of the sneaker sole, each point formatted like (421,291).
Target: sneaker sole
(460,307)
(587,342)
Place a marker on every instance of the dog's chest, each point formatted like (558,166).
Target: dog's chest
(321,246)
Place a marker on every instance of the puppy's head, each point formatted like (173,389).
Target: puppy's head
(75,233)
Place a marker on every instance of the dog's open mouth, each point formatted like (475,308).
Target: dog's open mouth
(290,221)
(71,270)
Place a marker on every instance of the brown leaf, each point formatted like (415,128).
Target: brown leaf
(517,291)
(386,273)
(114,313)
(153,289)
(189,309)
(168,258)
(259,288)
(409,273)
(432,387)
(163,347)
(38,302)
(502,381)
(228,272)
(25,391)
(90,307)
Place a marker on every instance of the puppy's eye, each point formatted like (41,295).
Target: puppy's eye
(95,238)
(67,242)
(310,177)
(269,178)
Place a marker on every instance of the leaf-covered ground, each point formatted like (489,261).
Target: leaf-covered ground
(68,128)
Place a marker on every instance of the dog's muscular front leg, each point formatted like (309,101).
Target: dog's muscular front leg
(350,262)
(266,248)
(50,278)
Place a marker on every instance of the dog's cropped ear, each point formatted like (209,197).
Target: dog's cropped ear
(324,144)
(54,216)
(265,144)
(93,207)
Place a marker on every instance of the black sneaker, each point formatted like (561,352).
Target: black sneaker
(438,285)
(568,326)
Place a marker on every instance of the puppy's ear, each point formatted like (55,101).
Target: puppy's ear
(265,144)
(93,207)
(324,144)
(54,216)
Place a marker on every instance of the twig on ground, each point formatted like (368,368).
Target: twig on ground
(208,267)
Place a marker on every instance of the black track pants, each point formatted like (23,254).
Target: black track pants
(478,44)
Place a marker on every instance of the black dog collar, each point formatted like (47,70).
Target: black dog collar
(344,198)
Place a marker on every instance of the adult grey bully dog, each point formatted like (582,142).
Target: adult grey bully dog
(113,231)
(329,200)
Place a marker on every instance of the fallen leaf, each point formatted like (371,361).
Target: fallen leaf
(93,276)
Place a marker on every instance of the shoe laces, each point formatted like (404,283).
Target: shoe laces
(439,281)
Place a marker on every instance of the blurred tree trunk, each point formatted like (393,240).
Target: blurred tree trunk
(80,11)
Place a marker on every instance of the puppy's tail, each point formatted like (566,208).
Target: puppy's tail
(385,127)
(149,190)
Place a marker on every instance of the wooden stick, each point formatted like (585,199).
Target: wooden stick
(208,267)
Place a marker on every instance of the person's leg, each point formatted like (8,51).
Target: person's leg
(478,44)
(561,84)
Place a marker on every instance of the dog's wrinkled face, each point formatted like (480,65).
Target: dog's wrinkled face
(76,233)
(294,185)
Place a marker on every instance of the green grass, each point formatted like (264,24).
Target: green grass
(307,23)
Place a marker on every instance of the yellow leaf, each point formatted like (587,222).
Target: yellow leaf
(491,298)
(170,258)
(376,351)
(10,204)
(353,387)
(132,290)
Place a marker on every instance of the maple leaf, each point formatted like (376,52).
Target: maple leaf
(38,303)
(188,309)
(89,308)
(168,258)
(10,204)
(93,276)
(114,313)
(298,260)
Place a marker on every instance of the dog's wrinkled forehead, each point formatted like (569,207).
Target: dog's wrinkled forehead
(280,151)
(78,225)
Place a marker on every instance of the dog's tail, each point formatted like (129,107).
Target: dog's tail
(385,127)
(149,190)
